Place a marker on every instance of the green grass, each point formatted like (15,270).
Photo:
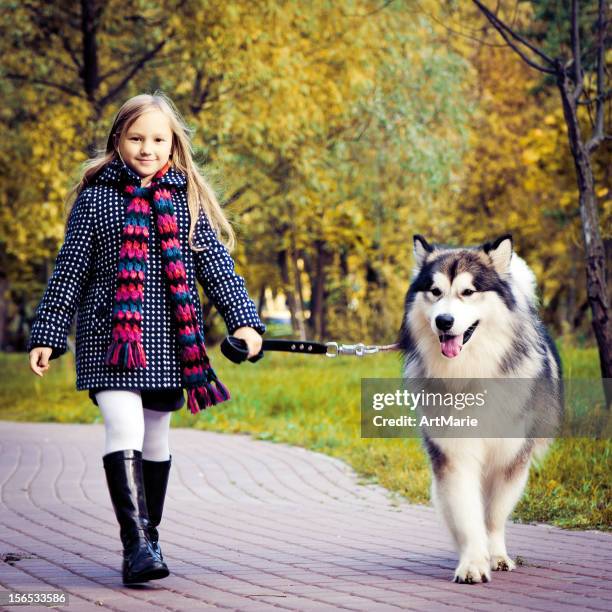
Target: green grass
(313,402)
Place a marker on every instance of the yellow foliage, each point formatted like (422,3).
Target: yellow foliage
(352,124)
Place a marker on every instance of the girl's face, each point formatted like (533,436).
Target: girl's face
(146,145)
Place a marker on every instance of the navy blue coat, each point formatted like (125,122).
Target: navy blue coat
(84,282)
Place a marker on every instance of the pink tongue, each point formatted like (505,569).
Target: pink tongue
(452,346)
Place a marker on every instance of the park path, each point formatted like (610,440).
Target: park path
(252,525)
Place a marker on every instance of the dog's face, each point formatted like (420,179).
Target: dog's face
(460,291)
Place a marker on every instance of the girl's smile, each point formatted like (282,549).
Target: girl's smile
(146,145)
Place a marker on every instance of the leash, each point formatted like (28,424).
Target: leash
(236,350)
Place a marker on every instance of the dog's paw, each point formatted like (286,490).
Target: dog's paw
(502,563)
(471,571)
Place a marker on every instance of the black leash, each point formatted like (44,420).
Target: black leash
(236,350)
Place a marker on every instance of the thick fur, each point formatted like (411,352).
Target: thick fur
(477,481)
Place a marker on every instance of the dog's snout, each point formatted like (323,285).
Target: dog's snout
(444,322)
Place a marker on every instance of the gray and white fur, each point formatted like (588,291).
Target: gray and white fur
(471,313)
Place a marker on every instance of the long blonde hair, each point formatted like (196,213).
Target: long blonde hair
(200,195)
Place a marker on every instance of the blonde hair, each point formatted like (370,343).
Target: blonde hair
(200,195)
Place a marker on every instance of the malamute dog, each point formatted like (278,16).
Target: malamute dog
(471,313)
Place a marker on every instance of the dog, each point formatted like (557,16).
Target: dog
(471,313)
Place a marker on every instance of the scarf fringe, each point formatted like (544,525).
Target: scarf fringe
(201,397)
(126,354)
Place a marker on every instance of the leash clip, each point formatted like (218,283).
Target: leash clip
(334,349)
(359,350)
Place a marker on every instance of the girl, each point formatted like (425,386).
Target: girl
(143,228)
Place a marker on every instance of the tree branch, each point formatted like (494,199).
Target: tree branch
(202,93)
(606,95)
(58,63)
(575,40)
(71,53)
(382,7)
(126,65)
(237,194)
(480,41)
(27,79)
(135,68)
(507,32)
(598,131)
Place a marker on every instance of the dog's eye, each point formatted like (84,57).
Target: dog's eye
(467,292)
(435,291)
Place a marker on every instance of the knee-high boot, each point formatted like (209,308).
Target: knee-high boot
(125,484)
(155,474)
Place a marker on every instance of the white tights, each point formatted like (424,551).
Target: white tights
(130,426)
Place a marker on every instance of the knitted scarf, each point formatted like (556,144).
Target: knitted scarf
(126,351)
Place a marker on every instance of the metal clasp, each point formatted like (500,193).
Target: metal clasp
(334,347)
(359,349)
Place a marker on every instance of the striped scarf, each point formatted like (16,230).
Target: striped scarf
(126,351)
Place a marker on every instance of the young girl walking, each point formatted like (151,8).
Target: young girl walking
(144,226)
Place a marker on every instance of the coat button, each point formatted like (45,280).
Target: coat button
(101,311)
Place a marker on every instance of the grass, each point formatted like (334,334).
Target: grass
(314,402)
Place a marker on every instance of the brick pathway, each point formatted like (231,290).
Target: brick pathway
(252,525)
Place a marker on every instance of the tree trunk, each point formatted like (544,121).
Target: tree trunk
(298,296)
(570,81)
(311,322)
(320,288)
(3,313)
(593,244)
(375,284)
(317,302)
(284,270)
(90,72)
(261,300)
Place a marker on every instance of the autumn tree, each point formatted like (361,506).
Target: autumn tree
(579,91)
(304,110)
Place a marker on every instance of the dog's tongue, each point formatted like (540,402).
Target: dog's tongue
(451,345)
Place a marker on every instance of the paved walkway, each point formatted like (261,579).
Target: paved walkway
(253,525)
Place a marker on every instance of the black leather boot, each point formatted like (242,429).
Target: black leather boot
(125,484)
(155,475)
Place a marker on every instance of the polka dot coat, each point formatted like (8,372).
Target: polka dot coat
(83,282)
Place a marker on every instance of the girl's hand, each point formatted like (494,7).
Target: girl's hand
(251,337)
(39,359)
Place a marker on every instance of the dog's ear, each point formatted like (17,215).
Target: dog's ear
(500,252)
(422,248)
